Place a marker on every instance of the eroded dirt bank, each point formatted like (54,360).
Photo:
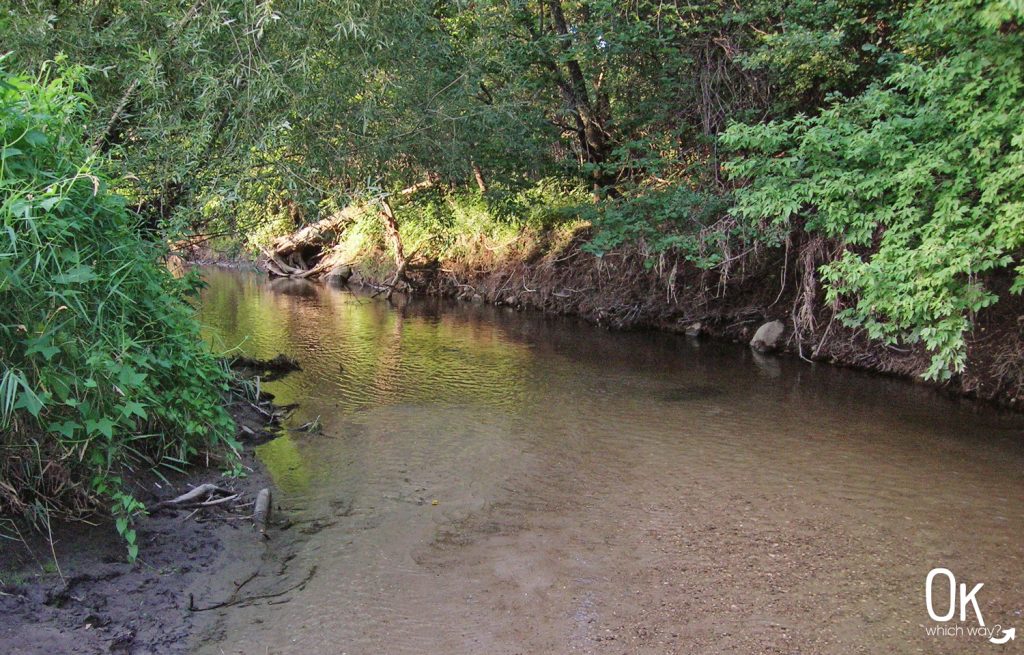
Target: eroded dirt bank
(554,273)
(96,602)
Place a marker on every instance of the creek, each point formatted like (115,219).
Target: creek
(487,481)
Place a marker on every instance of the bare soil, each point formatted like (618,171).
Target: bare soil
(93,601)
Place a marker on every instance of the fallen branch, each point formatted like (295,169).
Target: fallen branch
(248,599)
(264,413)
(220,501)
(313,426)
(428,183)
(197,495)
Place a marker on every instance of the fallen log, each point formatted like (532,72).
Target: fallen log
(315,235)
(261,511)
(273,268)
(429,183)
(307,252)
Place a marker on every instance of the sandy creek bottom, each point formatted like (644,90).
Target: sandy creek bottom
(493,482)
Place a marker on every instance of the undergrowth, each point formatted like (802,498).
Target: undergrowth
(470,227)
(102,369)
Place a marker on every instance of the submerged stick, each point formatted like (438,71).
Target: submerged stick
(249,599)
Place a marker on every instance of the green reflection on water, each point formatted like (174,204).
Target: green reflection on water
(285,464)
(357,354)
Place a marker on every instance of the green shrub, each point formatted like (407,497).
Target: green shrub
(101,364)
(920,178)
(455,224)
(663,219)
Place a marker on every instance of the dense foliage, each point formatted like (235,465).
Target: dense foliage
(101,366)
(920,178)
(890,131)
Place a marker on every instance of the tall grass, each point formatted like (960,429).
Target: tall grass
(469,227)
(101,366)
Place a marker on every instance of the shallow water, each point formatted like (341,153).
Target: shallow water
(494,482)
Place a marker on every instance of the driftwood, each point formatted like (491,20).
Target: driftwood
(220,501)
(312,427)
(306,253)
(267,369)
(261,511)
(322,233)
(198,495)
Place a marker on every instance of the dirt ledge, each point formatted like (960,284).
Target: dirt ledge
(622,290)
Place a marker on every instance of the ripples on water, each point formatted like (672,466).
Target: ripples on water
(592,487)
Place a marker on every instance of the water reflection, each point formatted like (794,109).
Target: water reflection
(361,351)
(593,484)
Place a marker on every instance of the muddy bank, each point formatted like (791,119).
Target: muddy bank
(92,601)
(619,291)
(626,289)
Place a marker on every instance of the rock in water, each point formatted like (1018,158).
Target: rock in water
(768,337)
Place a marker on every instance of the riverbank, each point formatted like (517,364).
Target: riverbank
(552,271)
(83,597)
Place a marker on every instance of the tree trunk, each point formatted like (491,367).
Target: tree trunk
(479,175)
(590,118)
(391,228)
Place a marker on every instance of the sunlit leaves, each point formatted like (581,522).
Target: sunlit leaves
(921,177)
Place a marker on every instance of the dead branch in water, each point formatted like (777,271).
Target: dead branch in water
(248,599)
(261,511)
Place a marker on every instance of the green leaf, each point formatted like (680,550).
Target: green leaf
(49,203)
(30,402)
(103,425)
(36,138)
(132,408)
(77,275)
(66,428)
